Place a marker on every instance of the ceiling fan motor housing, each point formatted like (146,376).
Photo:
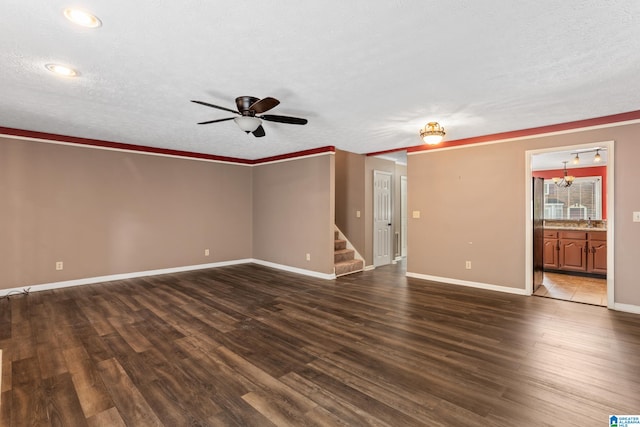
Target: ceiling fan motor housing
(244,103)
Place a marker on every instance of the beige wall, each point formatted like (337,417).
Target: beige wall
(293,208)
(350,197)
(464,218)
(107,212)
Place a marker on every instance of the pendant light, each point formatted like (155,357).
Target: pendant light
(566,179)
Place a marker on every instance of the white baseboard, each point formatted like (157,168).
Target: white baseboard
(369,267)
(133,275)
(479,285)
(122,276)
(627,308)
(326,276)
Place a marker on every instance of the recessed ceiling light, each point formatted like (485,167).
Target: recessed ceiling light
(82,18)
(62,70)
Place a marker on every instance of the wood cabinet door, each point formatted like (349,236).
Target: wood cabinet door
(573,255)
(551,254)
(597,257)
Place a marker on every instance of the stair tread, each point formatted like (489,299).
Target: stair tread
(343,251)
(349,261)
(345,266)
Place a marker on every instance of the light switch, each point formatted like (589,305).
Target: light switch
(416,214)
(636,217)
(357,214)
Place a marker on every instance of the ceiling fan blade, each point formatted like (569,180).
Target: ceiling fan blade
(258,133)
(216,121)
(264,104)
(215,106)
(284,119)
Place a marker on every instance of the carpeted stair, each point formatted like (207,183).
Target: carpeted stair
(344,259)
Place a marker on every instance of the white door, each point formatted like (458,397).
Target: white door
(381,218)
(403,216)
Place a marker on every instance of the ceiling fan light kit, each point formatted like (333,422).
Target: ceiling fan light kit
(248,107)
(248,123)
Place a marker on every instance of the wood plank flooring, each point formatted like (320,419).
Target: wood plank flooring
(250,346)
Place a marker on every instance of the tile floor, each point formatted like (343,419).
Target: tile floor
(586,290)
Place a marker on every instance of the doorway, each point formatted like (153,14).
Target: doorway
(578,223)
(382,206)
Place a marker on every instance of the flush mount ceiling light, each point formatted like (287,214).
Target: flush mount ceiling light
(248,123)
(62,70)
(82,18)
(432,133)
(566,179)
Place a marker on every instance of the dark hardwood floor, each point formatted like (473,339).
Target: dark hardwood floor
(250,346)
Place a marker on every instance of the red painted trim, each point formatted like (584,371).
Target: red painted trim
(145,149)
(117,145)
(578,124)
(327,149)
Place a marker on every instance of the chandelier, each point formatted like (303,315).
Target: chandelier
(566,179)
(432,133)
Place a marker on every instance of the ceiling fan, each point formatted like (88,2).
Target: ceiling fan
(248,107)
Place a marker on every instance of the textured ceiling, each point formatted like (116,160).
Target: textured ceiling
(368,75)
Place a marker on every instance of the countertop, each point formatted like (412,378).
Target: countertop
(557,227)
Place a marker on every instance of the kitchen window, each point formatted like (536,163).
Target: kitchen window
(582,200)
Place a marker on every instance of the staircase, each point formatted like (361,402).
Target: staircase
(344,259)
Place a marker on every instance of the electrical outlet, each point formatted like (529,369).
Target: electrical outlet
(206,252)
(636,217)
(59,265)
(467,265)
(415,214)
(308,257)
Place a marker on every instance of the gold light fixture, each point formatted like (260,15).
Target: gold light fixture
(432,133)
(566,179)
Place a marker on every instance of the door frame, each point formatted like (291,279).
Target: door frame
(609,145)
(404,216)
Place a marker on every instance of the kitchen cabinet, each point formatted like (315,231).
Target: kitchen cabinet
(573,251)
(597,255)
(578,251)
(550,249)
